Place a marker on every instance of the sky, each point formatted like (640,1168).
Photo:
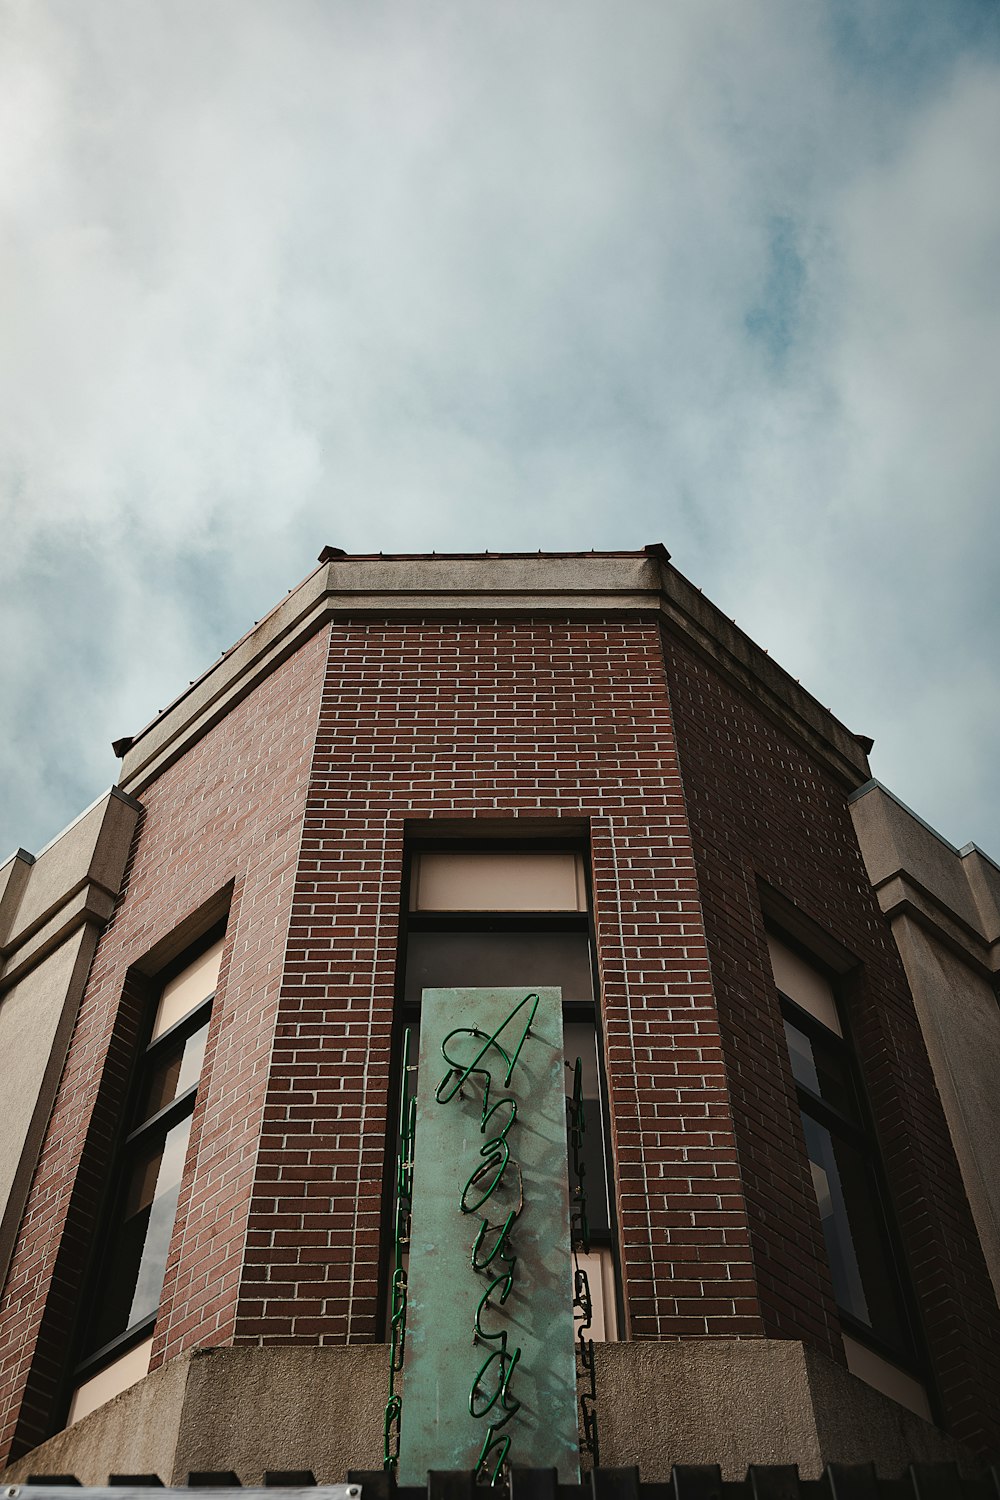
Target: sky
(516,274)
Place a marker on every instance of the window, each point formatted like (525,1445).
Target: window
(867,1281)
(126,1296)
(519,917)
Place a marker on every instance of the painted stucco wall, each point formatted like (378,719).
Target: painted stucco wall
(942,905)
(53,909)
(724,1401)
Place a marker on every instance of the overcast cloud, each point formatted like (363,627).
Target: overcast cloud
(415,276)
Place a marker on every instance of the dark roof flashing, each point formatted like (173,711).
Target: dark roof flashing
(402,584)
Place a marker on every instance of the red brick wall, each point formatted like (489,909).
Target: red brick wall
(229,811)
(761,809)
(485,719)
(277,1236)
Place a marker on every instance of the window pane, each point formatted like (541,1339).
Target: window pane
(803,983)
(580,1039)
(517,881)
(110,1381)
(188,989)
(824,1070)
(470,959)
(600,1270)
(133,1272)
(888,1378)
(175,1072)
(854,1227)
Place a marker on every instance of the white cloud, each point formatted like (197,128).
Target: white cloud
(389,277)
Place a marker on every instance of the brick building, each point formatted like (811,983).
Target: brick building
(419,771)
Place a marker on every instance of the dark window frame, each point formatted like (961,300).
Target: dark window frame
(407,1012)
(861,1134)
(134,1137)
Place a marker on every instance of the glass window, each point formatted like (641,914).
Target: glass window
(843,1159)
(176,1070)
(129,1276)
(511,881)
(805,984)
(864,1279)
(485,955)
(187,989)
(110,1380)
(580,1041)
(481,918)
(137,1255)
(824,1071)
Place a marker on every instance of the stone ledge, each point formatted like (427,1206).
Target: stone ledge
(713,1401)
(581,584)
(86,860)
(916,872)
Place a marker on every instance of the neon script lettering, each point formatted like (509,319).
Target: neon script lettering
(493,1254)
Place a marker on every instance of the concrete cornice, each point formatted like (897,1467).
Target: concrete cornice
(73,882)
(901,896)
(604,584)
(917,873)
(89,903)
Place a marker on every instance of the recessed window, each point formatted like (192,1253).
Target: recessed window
(843,1158)
(129,1277)
(485,918)
(887,1378)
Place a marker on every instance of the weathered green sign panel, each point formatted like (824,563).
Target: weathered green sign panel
(489,1351)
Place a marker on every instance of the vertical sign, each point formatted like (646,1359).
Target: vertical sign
(490,1374)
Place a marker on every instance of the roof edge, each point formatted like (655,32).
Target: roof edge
(615,584)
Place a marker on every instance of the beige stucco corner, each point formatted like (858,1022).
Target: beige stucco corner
(136,1433)
(942,905)
(246,1410)
(736,1402)
(256,1409)
(53,909)
(719,1401)
(714,1401)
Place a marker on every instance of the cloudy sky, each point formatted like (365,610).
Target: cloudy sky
(510,274)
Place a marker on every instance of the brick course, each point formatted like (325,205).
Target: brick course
(299,800)
(494,719)
(228,812)
(761,810)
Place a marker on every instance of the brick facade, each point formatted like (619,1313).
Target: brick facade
(487,720)
(228,813)
(762,811)
(298,800)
